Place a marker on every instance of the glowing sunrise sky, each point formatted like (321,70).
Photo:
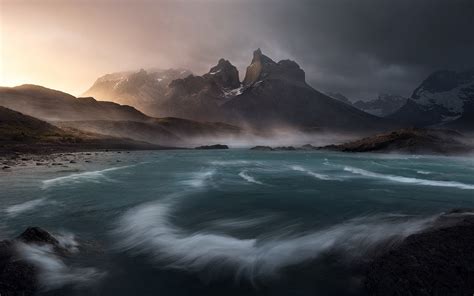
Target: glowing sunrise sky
(359,48)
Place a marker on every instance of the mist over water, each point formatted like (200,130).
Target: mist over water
(234,222)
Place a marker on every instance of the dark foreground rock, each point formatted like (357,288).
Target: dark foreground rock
(18,277)
(436,262)
(410,140)
(211,147)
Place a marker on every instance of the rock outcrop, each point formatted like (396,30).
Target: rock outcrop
(212,147)
(439,261)
(18,277)
(412,140)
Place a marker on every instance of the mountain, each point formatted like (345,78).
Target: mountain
(164,131)
(339,97)
(441,98)
(384,105)
(17,126)
(201,97)
(107,118)
(139,89)
(276,93)
(23,133)
(464,122)
(271,94)
(53,105)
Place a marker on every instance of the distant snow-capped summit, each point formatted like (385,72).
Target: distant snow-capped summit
(384,105)
(137,88)
(441,98)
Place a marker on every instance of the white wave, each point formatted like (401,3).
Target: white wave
(67,241)
(240,223)
(408,180)
(199,179)
(15,210)
(53,273)
(423,172)
(313,174)
(147,229)
(92,176)
(248,178)
(230,162)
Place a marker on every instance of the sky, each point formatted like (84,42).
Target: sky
(359,48)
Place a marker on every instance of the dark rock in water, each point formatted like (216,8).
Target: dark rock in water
(410,140)
(18,277)
(309,147)
(37,235)
(211,147)
(285,148)
(436,262)
(262,148)
(279,148)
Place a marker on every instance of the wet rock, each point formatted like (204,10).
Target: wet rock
(37,235)
(18,277)
(439,261)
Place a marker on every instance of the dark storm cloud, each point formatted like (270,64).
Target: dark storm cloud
(357,47)
(365,47)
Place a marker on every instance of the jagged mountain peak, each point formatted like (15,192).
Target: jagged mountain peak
(262,67)
(224,74)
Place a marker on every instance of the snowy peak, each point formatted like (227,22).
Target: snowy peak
(447,89)
(442,97)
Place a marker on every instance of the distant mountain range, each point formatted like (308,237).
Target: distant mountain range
(107,118)
(383,106)
(26,134)
(141,89)
(271,94)
(445,98)
(180,107)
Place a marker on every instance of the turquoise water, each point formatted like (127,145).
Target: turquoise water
(233,222)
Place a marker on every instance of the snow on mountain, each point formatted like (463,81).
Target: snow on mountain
(441,98)
(384,105)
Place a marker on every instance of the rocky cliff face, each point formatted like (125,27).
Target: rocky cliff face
(262,67)
(276,93)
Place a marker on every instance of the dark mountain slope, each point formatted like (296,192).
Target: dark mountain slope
(52,105)
(277,93)
(23,133)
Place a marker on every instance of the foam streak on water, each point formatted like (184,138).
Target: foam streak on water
(92,176)
(407,180)
(311,173)
(147,229)
(249,178)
